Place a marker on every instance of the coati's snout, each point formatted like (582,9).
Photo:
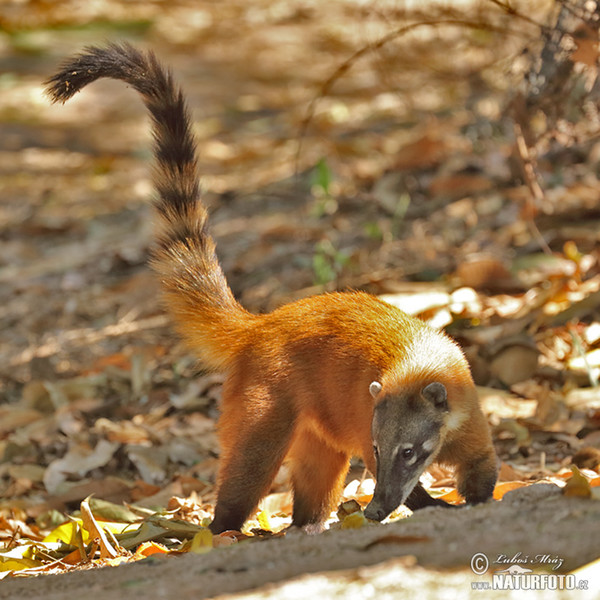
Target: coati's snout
(407,434)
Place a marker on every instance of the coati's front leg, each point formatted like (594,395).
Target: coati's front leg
(420,498)
(318,472)
(255,436)
(475,462)
(476,478)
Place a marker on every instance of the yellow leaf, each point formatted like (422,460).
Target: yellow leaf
(18,564)
(354,521)
(202,542)
(577,485)
(67,533)
(263,520)
(18,559)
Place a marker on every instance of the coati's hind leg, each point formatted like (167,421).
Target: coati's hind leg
(318,473)
(253,445)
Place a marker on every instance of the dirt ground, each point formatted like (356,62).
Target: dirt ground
(390,172)
(427,554)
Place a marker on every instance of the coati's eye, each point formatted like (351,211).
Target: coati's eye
(376,451)
(408,453)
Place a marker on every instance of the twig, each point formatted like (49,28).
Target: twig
(372,47)
(513,12)
(536,196)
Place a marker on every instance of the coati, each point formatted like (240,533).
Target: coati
(317,380)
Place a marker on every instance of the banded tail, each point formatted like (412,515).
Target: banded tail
(197,294)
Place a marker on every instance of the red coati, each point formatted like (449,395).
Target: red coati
(317,380)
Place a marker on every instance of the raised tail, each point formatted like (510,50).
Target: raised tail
(197,294)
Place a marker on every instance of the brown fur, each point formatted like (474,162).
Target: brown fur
(298,378)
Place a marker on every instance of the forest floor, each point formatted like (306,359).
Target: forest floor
(404,176)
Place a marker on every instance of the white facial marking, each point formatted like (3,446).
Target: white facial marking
(455,419)
(429,445)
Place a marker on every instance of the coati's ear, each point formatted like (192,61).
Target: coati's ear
(436,394)
(375,388)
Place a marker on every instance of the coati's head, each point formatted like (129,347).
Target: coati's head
(407,433)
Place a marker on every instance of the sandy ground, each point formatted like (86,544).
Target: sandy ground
(429,552)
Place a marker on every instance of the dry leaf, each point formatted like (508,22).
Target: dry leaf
(586,39)
(79,460)
(96,532)
(150,461)
(202,542)
(502,488)
(146,549)
(577,485)
(347,508)
(459,185)
(515,363)
(354,521)
(485,273)
(587,457)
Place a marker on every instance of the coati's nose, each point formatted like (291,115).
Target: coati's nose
(374,513)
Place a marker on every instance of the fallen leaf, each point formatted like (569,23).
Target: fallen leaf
(453,497)
(507,473)
(577,485)
(459,185)
(13,417)
(586,39)
(16,559)
(109,511)
(96,532)
(487,273)
(79,460)
(347,508)
(354,521)
(515,363)
(68,533)
(587,457)
(222,541)
(427,151)
(278,503)
(202,542)
(148,549)
(150,461)
(111,488)
(502,488)
(263,521)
